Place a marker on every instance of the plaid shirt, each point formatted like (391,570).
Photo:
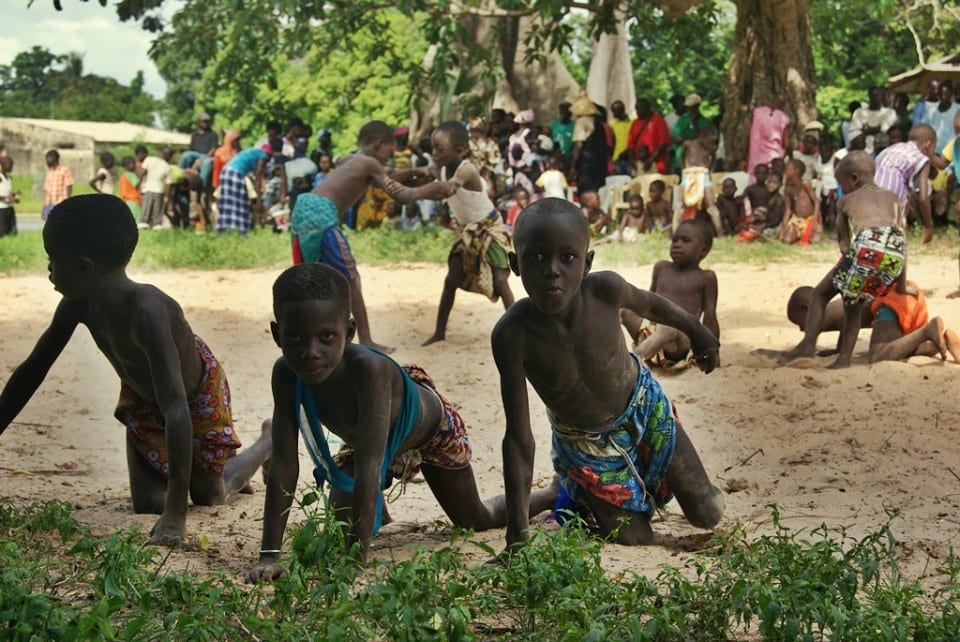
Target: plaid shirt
(55,185)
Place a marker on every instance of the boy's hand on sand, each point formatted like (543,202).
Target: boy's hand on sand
(264,572)
(168,531)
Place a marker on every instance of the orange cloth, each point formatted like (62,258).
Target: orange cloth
(224,153)
(129,190)
(911,310)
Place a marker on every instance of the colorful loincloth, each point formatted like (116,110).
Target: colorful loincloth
(624,463)
(694,181)
(483,246)
(803,227)
(660,359)
(373,209)
(214,439)
(315,224)
(449,448)
(872,264)
(910,311)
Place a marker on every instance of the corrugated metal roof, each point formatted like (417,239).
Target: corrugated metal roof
(119,132)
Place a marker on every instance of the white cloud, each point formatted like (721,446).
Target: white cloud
(109,47)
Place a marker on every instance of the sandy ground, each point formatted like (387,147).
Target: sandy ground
(840,447)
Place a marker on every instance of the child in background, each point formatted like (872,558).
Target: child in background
(697,157)
(553,181)
(8,197)
(756,194)
(102,181)
(324,165)
(596,217)
(635,221)
(801,217)
(729,206)
(619,449)
(658,209)
(682,281)
(57,183)
(828,183)
(128,186)
(521,198)
(776,205)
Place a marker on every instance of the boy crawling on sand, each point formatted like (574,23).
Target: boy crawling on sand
(391,418)
(617,445)
(174,396)
(871,262)
(682,281)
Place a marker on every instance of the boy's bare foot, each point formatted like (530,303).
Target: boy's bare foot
(376,346)
(933,331)
(168,531)
(955,294)
(434,339)
(839,363)
(797,353)
(952,342)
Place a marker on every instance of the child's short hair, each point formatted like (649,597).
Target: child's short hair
(703,228)
(923,133)
(554,209)
(311,282)
(127,159)
(520,189)
(54,154)
(659,185)
(798,165)
(773,176)
(798,304)
(455,130)
(140,149)
(374,132)
(96,226)
(273,126)
(106,158)
(633,198)
(856,162)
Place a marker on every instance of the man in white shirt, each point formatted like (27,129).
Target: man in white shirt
(155,180)
(872,119)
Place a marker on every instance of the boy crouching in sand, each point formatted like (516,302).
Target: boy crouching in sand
(391,418)
(174,396)
(682,281)
(617,445)
(872,262)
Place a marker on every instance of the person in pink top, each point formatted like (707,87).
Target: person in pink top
(769,136)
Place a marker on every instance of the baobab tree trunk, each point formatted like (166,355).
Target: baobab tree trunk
(772,55)
(611,74)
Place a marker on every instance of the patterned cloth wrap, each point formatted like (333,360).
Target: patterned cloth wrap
(233,206)
(315,224)
(694,181)
(214,440)
(625,462)
(449,448)
(872,264)
(483,246)
(660,359)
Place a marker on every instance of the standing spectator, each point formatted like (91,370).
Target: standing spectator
(852,107)
(688,125)
(928,102)
(155,181)
(941,116)
(518,150)
(8,217)
(102,181)
(904,119)
(325,142)
(128,186)
(769,135)
(561,129)
(904,169)
(648,139)
(588,163)
(57,184)
(203,143)
(620,124)
(870,120)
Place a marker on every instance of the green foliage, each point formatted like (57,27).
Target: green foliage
(58,581)
(40,84)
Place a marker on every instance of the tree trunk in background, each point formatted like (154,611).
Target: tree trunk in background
(772,55)
(611,74)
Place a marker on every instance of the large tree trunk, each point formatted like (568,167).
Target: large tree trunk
(772,55)
(611,75)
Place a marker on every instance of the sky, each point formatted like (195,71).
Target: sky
(110,48)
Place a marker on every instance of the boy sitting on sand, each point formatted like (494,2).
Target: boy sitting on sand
(900,322)
(682,281)
(871,263)
(174,396)
(391,418)
(617,445)
(801,218)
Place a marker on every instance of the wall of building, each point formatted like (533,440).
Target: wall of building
(28,144)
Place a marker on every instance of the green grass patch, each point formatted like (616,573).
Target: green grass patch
(167,249)
(61,582)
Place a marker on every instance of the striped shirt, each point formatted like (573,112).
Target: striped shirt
(897,170)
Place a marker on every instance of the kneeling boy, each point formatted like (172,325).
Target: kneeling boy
(391,418)
(617,444)
(174,396)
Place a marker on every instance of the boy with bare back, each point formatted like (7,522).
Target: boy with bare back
(657,208)
(872,262)
(801,217)
(174,396)
(697,157)
(315,221)
(682,281)
(391,418)
(618,447)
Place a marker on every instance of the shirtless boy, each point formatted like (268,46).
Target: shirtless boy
(901,327)
(391,418)
(174,396)
(682,281)
(871,263)
(658,209)
(604,405)
(315,221)
(697,158)
(801,218)
(729,206)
